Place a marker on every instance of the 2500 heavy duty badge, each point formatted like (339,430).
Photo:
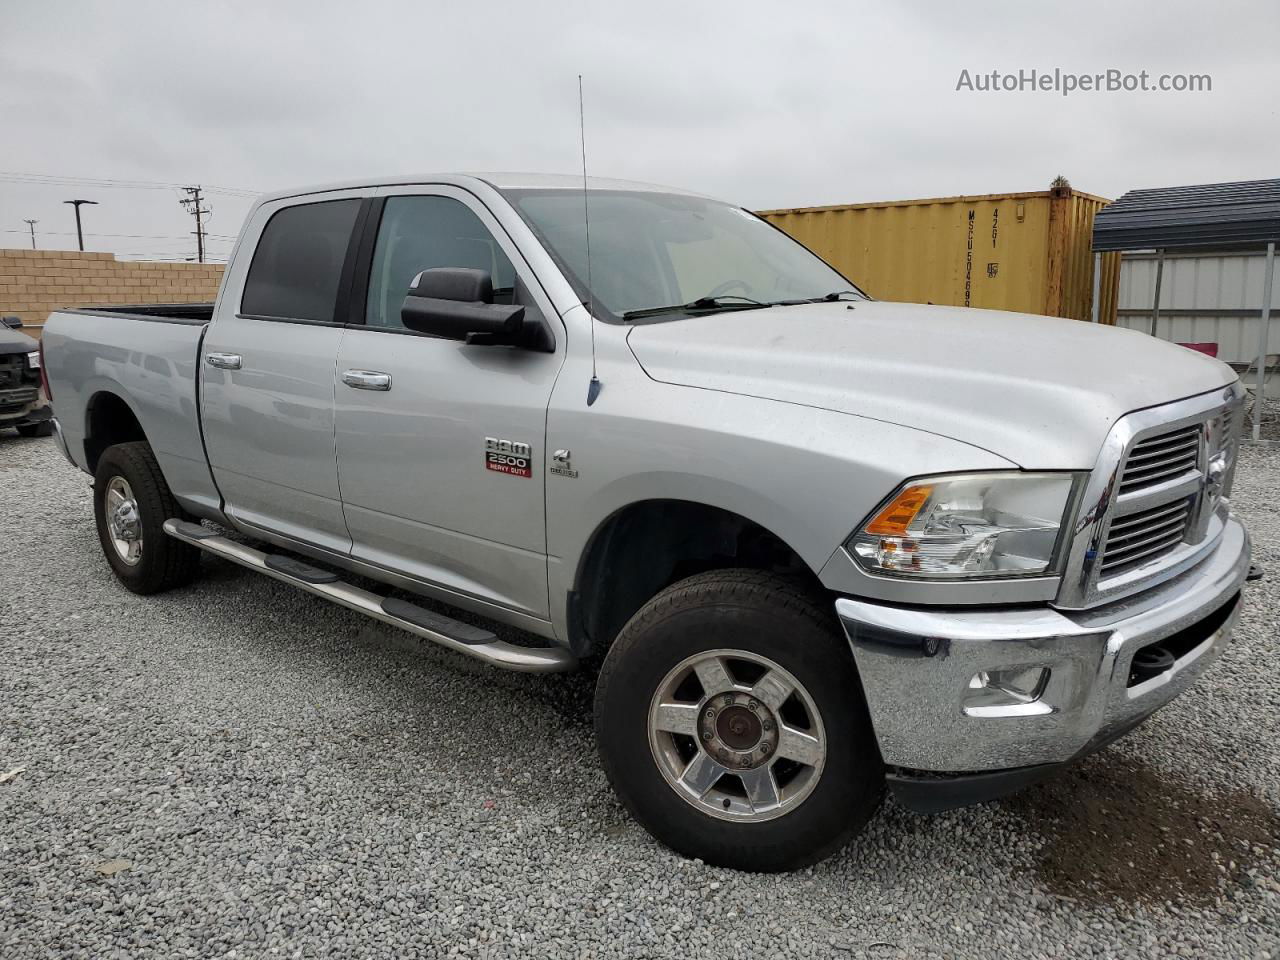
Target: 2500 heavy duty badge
(508,456)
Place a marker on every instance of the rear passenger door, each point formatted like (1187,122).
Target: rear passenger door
(420,494)
(267,369)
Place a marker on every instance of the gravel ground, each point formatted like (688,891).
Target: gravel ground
(241,770)
(1270,426)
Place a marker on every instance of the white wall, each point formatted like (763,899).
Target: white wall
(1213,285)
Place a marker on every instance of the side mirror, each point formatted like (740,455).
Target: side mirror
(13,323)
(456,303)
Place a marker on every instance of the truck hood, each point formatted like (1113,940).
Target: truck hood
(11,341)
(1040,391)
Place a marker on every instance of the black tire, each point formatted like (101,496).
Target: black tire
(42,429)
(164,563)
(770,617)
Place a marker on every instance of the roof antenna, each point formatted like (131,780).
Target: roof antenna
(593,389)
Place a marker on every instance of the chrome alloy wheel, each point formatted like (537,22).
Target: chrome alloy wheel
(736,735)
(124,523)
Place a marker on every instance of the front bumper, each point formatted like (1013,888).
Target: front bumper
(19,414)
(918,667)
(38,415)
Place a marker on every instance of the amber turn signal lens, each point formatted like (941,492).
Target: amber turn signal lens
(894,519)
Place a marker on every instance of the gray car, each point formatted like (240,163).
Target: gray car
(820,545)
(23,403)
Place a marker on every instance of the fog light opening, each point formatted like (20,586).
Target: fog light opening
(1013,692)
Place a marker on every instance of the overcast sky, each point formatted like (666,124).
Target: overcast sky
(768,104)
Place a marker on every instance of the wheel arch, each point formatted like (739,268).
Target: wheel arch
(647,545)
(109,419)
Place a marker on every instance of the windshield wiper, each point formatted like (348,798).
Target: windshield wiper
(701,305)
(825,298)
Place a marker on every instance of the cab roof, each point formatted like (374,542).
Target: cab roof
(499,181)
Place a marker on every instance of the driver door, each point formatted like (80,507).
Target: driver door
(419,493)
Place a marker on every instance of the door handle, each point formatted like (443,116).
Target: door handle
(224,361)
(366,379)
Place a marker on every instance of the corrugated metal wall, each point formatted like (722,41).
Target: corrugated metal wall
(1076,236)
(1204,297)
(1028,252)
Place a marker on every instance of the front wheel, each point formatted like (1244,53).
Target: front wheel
(731,722)
(131,502)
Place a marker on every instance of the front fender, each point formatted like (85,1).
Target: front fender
(807,475)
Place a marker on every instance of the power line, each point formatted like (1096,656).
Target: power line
(166,256)
(159,254)
(49,179)
(131,236)
(53,180)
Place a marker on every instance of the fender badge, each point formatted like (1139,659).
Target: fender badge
(562,466)
(509,457)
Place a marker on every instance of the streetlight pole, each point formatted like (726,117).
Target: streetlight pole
(79,232)
(32,225)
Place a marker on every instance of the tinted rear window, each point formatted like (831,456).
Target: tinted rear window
(298,263)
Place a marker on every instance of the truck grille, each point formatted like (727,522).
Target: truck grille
(1155,504)
(1161,458)
(1221,427)
(13,369)
(1138,537)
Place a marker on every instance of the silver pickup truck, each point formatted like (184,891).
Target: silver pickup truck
(814,544)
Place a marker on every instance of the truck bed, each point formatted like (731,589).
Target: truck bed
(138,363)
(198,313)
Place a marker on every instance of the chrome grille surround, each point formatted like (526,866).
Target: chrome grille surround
(1144,505)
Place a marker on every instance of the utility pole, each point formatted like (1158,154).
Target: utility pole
(192,203)
(77,204)
(32,225)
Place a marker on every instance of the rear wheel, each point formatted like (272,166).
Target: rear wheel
(131,502)
(731,723)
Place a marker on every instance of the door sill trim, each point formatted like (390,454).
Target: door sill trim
(464,601)
(462,638)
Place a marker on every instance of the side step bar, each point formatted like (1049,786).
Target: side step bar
(461,637)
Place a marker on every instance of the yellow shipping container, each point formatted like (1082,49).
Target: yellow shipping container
(1028,252)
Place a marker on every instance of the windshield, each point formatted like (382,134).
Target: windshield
(655,250)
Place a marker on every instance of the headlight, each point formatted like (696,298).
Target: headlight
(968,527)
(33,359)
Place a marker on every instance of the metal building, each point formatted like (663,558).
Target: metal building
(1206,266)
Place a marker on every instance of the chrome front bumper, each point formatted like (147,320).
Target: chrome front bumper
(918,668)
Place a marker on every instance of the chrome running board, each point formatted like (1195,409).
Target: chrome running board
(457,636)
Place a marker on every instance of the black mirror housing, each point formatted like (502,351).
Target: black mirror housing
(466,284)
(456,303)
(13,323)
